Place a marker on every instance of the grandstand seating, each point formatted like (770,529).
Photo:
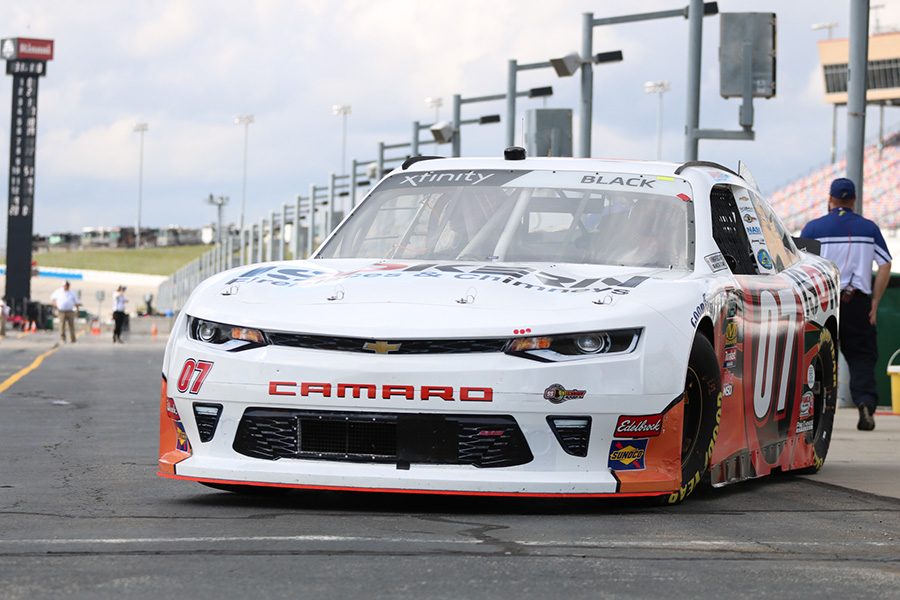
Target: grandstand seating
(807,198)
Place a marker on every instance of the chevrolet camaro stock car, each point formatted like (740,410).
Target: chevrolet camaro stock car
(515,326)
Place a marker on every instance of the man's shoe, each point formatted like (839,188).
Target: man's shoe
(866,420)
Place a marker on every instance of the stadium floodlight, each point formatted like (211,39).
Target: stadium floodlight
(607,57)
(658,87)
(567,65)
(540,92)
(442,132)
(820,26)
(342,111)
(436,103)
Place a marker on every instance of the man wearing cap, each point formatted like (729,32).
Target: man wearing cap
(852,242)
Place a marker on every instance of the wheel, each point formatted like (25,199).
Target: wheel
(702,413)
(824,401)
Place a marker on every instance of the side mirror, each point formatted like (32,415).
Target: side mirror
(808,245)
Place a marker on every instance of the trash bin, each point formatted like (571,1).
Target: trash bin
(893,372)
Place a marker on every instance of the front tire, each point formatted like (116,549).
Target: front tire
(825,401)
(702,413)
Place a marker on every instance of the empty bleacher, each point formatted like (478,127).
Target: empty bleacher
(807,198)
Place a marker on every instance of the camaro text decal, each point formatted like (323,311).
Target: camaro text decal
(386,392)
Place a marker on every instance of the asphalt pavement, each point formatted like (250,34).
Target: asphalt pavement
(82,514)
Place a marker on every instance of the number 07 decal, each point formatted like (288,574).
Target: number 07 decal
(191,367)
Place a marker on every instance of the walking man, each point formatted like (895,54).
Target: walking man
(119,301)
(66,304)
(852,243)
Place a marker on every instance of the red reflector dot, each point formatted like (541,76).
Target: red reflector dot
(528,330)
(516,331)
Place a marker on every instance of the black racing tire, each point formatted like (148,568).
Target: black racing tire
(825,401)
(702,413)
(246,490)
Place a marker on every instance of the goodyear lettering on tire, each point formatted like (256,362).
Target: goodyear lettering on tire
(694,480)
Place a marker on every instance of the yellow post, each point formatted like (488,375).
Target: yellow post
(893,372)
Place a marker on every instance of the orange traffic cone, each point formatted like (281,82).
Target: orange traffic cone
(33,326)
(95,327)
(154,331)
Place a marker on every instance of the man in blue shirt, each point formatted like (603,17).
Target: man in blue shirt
(853,243)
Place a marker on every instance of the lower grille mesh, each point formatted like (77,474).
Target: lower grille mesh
(482,441)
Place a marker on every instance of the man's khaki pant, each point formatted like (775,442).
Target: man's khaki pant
(67,318)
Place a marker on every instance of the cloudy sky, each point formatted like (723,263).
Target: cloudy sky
(187,68)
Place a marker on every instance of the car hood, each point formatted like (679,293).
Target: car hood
(392,300)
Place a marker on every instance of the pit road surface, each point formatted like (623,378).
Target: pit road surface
(82,514)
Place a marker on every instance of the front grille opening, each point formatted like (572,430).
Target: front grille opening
(402,438)
(367,346)
(207,418)
(572,433)
(347,438)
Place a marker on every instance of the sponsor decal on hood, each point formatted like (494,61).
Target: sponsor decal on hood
(524,277)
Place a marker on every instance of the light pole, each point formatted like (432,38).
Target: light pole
(342,110)
(834,107)
(436,104)
(658,87)
(513,68)
(219,203)
(449,132)
(244,120)
(140,128)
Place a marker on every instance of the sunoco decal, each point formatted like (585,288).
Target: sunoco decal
(627,455)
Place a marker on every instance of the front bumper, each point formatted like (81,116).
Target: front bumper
(613,386)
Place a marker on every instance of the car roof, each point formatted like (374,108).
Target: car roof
(420,164)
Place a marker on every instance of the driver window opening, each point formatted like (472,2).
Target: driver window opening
(729,233)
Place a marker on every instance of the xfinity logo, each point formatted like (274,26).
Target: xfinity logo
(471,177)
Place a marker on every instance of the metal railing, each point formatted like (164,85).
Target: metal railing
(284,235)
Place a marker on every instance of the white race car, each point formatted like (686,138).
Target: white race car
(529,327)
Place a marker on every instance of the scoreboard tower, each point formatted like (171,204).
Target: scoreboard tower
(26,60)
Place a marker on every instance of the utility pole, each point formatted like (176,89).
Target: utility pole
(856,95)
(141,129)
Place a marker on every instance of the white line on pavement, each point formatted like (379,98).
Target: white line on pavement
(761,545)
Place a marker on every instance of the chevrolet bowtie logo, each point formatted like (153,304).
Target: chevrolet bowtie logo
(381,347)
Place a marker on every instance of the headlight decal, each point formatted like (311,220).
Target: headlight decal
(575,346)
(232,338)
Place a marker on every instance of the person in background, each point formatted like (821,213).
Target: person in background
(119,301)
(66,303)
(853,243)
(4,314)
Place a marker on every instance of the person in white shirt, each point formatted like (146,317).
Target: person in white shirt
(119,301)
(67,304)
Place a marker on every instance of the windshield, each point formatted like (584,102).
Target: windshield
(516,216)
